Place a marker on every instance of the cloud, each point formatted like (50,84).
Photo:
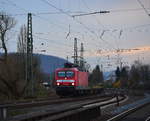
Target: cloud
(130,51)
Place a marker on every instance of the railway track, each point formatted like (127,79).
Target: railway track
(67,109)
(138,111)
(24,107)
(29,101)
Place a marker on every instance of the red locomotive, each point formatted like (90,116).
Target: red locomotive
(70,80)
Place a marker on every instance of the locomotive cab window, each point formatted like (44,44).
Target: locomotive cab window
(69,73)
(61,74)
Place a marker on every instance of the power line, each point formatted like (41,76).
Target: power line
(60,43)
(143,7)
(87,28)
(97,22)
(36,14)
(52,49)
(59,46)
(126,10)
(52,41)
(44,13)
(48,21)
(92,13)
(15,5)
(75,13)
(56,8)
(49,13)
(138,26)
(40,13)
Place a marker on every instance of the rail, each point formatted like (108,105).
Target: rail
(133,107)
(4,109)
(80,112)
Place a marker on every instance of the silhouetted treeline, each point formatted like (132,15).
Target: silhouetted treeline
(13,83)
(138,76)
(96,76)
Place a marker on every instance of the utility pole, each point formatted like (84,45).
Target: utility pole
(119,59)
(67,59)
(81,56)
(29,64)
(75,52)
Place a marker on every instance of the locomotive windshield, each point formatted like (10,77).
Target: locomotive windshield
(61,74)
(65,74)
(69,73)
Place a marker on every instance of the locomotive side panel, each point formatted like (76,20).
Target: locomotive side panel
(82,79)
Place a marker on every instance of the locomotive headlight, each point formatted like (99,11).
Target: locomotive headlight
(58,84)
(72,83)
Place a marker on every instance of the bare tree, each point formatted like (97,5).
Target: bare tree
(22,55)
(6,23)
(21,49)
(13,84)
(22,40)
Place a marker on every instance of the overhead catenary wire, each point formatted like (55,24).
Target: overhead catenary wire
(102,34)
(37,15)
(43,13)
(80,12)
(15,5)
(50,40)
(62,27)
(99,23)
(73,12)
(122,10)
(40,13)
(85,14)
(87,28)
(50,22)
(66,14)
(53,41)
(143,7)
(52,47)
(126,10)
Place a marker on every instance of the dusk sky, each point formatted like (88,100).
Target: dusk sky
(126,27)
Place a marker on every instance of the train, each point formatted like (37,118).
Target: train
(72,80)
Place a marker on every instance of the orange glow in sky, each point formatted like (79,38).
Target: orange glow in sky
(131,51)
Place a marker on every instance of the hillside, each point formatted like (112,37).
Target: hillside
(50,63)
